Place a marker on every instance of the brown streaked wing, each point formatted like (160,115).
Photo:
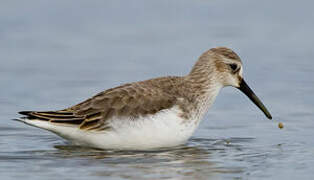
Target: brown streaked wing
(136,99)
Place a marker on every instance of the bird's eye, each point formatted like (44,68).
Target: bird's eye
(234,67)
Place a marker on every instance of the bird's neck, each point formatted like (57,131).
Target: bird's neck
(204,78)
(204,86)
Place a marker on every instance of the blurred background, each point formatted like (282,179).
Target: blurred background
(54,54)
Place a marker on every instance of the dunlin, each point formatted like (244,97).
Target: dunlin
(156,113)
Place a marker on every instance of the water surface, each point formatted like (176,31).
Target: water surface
(54,54)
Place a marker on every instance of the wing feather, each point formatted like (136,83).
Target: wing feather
(136,99)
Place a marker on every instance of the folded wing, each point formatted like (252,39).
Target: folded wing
(132,100)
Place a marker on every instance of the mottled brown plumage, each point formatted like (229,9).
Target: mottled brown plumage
(134,99)
(226,52)
(142,98)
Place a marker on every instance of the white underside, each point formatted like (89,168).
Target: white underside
(164,129)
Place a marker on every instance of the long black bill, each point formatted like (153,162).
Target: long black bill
(247,91)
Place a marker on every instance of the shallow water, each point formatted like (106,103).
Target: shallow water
(55,54)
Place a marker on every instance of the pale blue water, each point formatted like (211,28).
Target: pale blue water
(54,54)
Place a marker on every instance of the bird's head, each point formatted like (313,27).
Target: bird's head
(222,66)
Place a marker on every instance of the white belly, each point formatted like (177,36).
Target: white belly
(164,129)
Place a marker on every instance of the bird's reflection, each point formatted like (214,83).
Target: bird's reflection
(197,159)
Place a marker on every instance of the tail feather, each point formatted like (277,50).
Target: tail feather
(25,112)
(64,124)
(62,116)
